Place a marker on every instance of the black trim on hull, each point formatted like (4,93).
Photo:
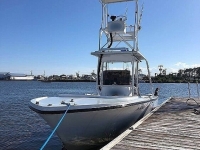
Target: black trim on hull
(87,109)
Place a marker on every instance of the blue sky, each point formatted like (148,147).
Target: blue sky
(58,35)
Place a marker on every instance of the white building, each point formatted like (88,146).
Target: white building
(15,76)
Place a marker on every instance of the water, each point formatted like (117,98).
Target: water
(21,128)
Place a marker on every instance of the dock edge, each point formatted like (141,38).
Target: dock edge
(131,128)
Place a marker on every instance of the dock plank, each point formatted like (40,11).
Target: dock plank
(174,125)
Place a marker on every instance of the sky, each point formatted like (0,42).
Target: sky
(57,36)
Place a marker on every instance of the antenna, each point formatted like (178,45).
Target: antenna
(141,16)
(126,10)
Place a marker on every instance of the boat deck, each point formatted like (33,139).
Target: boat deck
(174,125)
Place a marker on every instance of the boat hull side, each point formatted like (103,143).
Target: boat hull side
(91,129)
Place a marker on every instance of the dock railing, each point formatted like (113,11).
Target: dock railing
(189,90)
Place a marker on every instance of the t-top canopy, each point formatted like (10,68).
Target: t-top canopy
(114,1)
(119,56)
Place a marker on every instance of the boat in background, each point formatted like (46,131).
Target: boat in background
(93,120)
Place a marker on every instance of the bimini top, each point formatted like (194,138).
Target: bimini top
(114,1)
(119,55)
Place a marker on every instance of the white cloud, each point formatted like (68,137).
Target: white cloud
(171,69)
(178,66)
(181,65)
(174,70)
(153,70)
(195,65)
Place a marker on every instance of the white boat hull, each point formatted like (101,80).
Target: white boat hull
(94,127)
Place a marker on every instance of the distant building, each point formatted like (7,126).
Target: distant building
(4,75)
(71,76)
(141,76)
(63,77)
(15,76)
(40,77)
(88,77)
(55,77)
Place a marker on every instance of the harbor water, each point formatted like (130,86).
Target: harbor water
(21,128)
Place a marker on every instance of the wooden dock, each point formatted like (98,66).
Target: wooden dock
(174,125)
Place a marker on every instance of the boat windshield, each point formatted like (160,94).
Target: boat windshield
(113,74)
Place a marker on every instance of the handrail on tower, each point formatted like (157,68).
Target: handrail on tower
(114,1)
(115,29)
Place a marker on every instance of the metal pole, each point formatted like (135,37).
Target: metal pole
(198,89)
(136,73)
(136,27)
(189,89)
(149,75)
(133,88)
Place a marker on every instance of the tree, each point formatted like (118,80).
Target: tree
(180,73)
(139,71)
(198,71)
(160,68)
(164,71)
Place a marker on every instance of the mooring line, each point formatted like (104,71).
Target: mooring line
(68,104)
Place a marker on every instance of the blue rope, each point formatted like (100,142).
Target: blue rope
(55,128)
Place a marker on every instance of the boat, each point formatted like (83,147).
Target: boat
(92,120)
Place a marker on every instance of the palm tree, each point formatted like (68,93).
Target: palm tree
(160,68)
(139,71)
(198,72)
(180,72)
(164,71)
(77,75)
